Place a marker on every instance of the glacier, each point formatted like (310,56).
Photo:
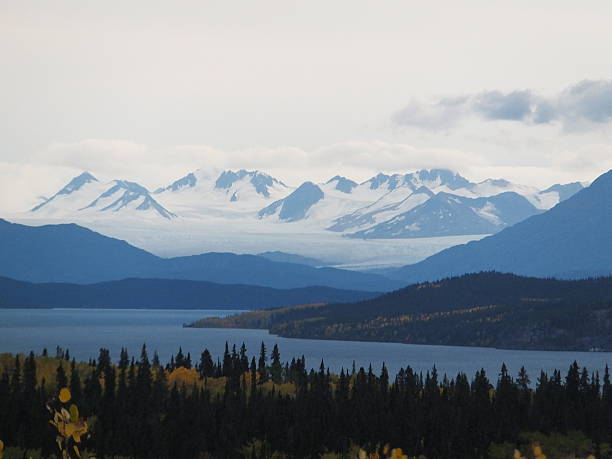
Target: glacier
(387,220)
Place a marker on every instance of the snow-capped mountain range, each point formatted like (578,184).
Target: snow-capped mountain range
(425,203)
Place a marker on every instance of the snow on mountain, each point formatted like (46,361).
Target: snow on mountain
(125,195)
(436,178)
(429,178)
(229,194)
(387,206)
(542,200)
(295,206)
(558,193)
(189,181)
(85,196)
(234,181)
(425,203)
(569,241)
(446,214)
(342,184)
(59,199)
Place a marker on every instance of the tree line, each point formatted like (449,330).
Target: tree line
(236,406)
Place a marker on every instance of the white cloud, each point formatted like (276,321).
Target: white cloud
(23,185)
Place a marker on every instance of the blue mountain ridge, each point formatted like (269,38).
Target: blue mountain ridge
(71,253)
(164,293)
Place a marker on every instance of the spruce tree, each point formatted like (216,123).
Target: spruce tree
(276,369)
(262,369)
(60,377)
(206,367)
(75,383)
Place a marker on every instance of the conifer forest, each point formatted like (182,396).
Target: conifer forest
(234,406)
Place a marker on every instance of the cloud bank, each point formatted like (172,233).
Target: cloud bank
(580,107)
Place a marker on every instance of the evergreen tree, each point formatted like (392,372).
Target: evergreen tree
(276,369)
(262,369)
(179,361)
(155,362)
(244,359)
(207,367)
(75,383)
(60,377)
(227,361)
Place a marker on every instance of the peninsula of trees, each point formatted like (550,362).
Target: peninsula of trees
(486,309)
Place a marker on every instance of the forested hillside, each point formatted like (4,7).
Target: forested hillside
(485,309)
(163,293)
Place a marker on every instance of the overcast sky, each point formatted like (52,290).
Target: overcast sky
(150,90)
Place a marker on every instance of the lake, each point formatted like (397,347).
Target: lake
(84,331)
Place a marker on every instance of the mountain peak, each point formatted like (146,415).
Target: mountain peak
(77,182)
(377,181)
(125,193)
(260,180)
(497,182)
(342,184)
(604,181)
(438,177)
(188,181)
(295,206)
(74,185)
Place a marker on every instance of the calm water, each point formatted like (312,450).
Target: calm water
(84,331)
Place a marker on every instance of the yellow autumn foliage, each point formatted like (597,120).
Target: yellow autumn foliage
(387,453)
(537,451)
(247,378)
(64,395)
(518,455)
(46,368)
(70,427)
(182,375)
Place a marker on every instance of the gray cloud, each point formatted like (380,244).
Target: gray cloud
(579,107)
(589,101)
(495,105)
(441,114)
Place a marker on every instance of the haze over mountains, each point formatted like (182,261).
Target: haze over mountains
(70,253)
(426,203)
